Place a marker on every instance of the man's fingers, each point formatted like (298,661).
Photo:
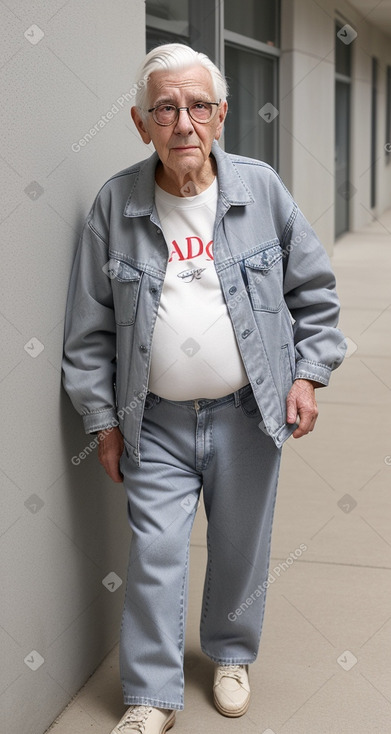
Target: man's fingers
(109,453)
(111,467)
(301,402)
(291,410)
(307,423)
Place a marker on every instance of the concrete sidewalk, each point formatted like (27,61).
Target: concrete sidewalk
(324,660)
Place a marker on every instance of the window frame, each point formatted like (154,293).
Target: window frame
(387,146)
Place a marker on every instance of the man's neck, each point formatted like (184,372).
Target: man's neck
(191,184)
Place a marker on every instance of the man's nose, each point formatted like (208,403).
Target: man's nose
(183,124)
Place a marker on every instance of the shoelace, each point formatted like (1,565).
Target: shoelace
(136,718)
(232,671)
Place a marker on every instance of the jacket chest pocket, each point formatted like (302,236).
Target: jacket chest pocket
(125,281)
(264,274)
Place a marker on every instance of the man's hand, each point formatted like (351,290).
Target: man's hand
(301,402)
(111,446)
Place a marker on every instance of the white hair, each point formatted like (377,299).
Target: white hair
(176,57)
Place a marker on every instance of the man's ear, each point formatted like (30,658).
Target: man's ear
(222,113)
(140,124)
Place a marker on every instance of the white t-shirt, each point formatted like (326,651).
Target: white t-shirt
(194,349)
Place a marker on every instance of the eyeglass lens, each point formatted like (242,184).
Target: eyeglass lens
(199,111)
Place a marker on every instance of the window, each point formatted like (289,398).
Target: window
(254,19)
(252,81)
(388,114)
(373,131)
(167,22)
(343,187)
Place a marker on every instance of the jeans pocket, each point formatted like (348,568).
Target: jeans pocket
(150,401)
(249,406)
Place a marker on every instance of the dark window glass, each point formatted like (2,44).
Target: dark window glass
(172,10)
(157,38)
(373,132)
(343,54)
(252,79)
(388,114)
(254,18)
(167,22)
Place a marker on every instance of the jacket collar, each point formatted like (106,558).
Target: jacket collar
(231,186)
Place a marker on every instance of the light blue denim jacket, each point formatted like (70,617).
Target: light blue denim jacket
(274,273)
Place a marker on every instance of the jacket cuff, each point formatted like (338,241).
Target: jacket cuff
(100,420)
(307,370)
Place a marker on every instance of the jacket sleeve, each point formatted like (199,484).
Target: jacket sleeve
(310,295)
(89,358)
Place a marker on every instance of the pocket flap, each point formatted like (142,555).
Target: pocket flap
(122,271)
(265,259)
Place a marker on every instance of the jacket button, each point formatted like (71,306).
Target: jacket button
(143,348)
(232,290)
(259,380)
(158,231)
(153,289)
(245,333)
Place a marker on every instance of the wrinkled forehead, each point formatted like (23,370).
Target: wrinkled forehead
(191,83)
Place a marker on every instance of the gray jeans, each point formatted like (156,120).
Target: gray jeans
(217,445)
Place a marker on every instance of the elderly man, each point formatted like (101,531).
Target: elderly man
(201,317)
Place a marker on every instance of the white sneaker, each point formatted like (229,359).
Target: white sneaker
(231,689)
(145,720)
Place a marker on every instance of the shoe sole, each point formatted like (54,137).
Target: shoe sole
(231,714)
(169,724)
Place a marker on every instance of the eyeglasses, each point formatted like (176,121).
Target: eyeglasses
(167,114)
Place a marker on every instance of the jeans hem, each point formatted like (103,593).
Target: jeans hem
(229,661)
(156,702)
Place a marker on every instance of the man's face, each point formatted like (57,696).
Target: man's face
(184,146)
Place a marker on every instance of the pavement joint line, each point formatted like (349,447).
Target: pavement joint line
(375,633)
(308,699)
(373,686)
(323,526)
(370,479)
(311,467)
(308,620)
(374,320)
(374,530)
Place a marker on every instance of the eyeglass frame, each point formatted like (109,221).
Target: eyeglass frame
(178,109)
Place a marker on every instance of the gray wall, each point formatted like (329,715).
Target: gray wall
(307,80)
(63,526)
